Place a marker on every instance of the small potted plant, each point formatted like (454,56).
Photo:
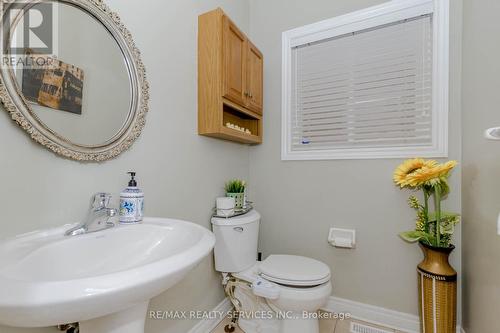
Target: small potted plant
(236,189)
(434,230)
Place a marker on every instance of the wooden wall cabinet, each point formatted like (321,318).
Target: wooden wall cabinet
(230,80)
(255,79)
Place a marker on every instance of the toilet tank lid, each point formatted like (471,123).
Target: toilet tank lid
(250,217)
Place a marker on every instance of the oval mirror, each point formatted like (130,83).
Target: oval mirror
(72,77)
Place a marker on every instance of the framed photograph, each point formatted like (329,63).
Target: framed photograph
(54,84)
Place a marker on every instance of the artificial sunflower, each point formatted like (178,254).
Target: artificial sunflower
(433,228)
(430,176)
(409,167)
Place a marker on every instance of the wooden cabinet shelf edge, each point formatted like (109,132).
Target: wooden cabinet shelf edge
(230,80)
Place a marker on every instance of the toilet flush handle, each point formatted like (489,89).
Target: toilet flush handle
(238,229)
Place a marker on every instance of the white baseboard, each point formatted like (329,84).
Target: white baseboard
(208,325)
(369,313)
(380,316)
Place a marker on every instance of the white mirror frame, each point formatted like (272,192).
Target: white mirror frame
(22,113)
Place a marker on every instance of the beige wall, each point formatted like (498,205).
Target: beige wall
(180,172)
(300,201)
(481,166)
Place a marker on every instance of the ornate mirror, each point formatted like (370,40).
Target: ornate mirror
(72,77)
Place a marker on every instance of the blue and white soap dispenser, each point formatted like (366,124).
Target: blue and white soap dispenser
(131,203)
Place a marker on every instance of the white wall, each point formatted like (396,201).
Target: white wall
(300,201)
(481,165)
(180,172)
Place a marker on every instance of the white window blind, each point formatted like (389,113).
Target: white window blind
(368,84)
(369,89)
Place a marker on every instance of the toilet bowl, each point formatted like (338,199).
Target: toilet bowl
(278,295)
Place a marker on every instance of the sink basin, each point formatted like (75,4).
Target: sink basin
(103,280)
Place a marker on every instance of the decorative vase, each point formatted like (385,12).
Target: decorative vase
(437,285)
(239,199)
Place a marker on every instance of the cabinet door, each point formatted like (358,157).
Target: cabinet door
(255,79)
(234,62)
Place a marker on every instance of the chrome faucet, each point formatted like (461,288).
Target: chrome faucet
(98,217)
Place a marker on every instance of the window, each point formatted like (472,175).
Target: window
(370,84)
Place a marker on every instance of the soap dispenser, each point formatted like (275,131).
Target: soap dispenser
(131,202)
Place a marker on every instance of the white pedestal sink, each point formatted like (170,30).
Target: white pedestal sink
(103,280)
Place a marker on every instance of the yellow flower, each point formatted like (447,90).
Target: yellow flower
(409,167)
(430,175)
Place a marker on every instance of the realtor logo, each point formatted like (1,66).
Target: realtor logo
(33,26)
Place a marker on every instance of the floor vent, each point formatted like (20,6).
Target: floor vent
(360,328)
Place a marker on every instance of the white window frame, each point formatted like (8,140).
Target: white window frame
(389,12)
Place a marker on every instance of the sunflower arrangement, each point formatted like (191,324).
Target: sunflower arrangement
(434,228)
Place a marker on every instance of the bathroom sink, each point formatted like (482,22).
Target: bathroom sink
(104,280)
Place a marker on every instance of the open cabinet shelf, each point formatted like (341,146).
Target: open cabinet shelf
(243,119)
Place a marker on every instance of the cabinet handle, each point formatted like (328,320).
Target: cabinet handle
(246,93)
(250,95)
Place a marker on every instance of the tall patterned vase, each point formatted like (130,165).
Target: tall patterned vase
(437,284)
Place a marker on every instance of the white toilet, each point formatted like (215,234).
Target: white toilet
(278,295)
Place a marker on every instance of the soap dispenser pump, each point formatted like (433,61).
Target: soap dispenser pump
(131,202)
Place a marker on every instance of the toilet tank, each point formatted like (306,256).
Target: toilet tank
(236,242)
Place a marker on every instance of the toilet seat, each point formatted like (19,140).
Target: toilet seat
(295,271)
